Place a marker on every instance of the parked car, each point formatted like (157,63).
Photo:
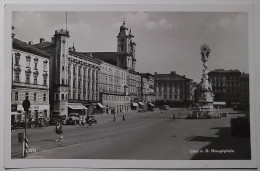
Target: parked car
(73,119)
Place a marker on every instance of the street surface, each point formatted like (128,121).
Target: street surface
(146,135)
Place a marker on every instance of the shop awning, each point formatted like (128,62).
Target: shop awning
(150,104)
(135,104)
(77,106)
(141,103)
(100,105)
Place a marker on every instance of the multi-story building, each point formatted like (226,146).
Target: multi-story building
(30,80)
(74,85)
(226,86)
(172,89)
(123,61)
(113,88)
(147,87)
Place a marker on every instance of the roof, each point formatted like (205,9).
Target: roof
(85,55)
(45,45)
(224,71)
(244,75)
(109,57)
(172,76)
(23,46)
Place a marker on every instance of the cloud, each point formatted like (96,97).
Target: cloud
(144,20)
(163,23)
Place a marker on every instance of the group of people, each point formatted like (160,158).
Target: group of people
(58,129)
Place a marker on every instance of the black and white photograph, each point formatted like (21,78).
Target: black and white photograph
(132,85)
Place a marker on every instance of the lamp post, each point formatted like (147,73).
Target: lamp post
(26,105)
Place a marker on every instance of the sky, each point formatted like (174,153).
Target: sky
(166,41)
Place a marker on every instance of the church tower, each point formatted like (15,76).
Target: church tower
(126,48)
(60,68)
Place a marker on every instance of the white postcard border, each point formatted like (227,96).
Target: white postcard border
(25,163)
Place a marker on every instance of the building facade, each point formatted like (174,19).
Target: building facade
(226,86)
(74,85)
(30,80)
(172,89)
(123,61)
(113,89)
(147,88)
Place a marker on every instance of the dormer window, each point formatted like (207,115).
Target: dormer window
(17,58)
(35,63)
(28,61)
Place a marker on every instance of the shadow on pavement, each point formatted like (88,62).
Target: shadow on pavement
(224,147)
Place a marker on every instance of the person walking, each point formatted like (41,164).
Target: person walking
(59,131)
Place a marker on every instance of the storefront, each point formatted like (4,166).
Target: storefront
(141,105)
(134,106)
(36,111)
(100,108)
(77,108)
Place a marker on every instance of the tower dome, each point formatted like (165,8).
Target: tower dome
(123,28)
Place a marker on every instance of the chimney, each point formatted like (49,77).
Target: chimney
(30,42)
(42,40)
(155,73)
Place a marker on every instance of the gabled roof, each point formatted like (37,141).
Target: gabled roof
(23,46)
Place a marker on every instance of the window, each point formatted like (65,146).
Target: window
(16,96)
(57,96)
(35,63)
(27,96)
(79,96)
(122,47)
(17,77)
(17,58)
(62,68)
(62,96)
(44,97)
(73,95)
(45,81)
(62,81)
(27,79)
(28,61)
(35,79)
(74,70)
(74,83)
(34,96)
(45,65)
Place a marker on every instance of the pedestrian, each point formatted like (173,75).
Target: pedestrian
(58,130)
(114,118)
